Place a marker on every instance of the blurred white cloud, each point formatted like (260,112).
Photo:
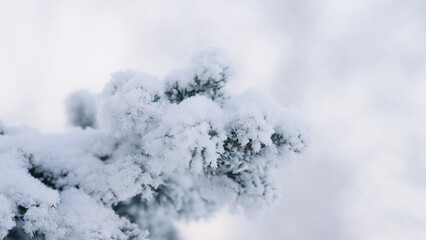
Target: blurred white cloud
(355,70)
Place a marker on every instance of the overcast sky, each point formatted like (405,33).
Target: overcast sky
(354,69)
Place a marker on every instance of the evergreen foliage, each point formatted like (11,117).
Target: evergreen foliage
(147,152)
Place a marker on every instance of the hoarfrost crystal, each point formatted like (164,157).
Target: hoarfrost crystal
(147,151)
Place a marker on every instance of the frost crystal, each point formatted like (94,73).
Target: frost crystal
(147,151)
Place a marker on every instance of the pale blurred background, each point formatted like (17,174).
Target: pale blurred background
(354,69)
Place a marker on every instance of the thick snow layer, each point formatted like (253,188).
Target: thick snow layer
(154,151)
(6,216)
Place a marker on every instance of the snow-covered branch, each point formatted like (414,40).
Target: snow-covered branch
(148,151)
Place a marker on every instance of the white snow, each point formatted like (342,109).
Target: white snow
(154,151)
